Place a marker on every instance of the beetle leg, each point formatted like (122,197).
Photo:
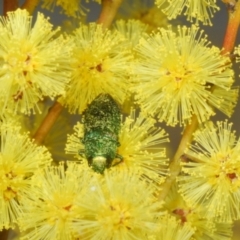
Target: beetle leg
(118,156)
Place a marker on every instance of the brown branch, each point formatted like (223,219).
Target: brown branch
(30,5)
(175,167)
(9,5)
(4,234)
(108,12)
(233,25)
(48,122)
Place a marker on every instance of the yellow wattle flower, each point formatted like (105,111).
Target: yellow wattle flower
(200,10)
(141,146)
(132,30)
(74,144)
(20,159)
(119,206)
(34,62)
(171,229)
(180,75)
(145,12)
(101,63)
(71,8)
(50,211)
(202,228)
(212,173)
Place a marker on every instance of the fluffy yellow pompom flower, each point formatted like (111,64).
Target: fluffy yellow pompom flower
(140,148)
(117,206)
(171,229)
(237,53)
(20,159)
(33,63)
(48,214)
(145,12)
(202,228)
(100,65)
(181,76)
(201,10)
(132,30)
(212,177)
(71,8)
(74,143)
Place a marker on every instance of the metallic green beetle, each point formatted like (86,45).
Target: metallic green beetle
(102,123)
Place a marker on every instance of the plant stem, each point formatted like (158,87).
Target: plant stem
(4,234)
(175,167)
(48,122)
(108,12)
(30,5)
(9,5)
(232,27)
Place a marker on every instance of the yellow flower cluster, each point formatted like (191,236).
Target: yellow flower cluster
(194,218)
(100,64)
(145,12)
(132,30)
(171,229)
(52,204)
(201,10)
(71,8)
(20,159)
(77,203)
(178,76)
(212,173)
(173,76)
(34,63)
(115,208)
